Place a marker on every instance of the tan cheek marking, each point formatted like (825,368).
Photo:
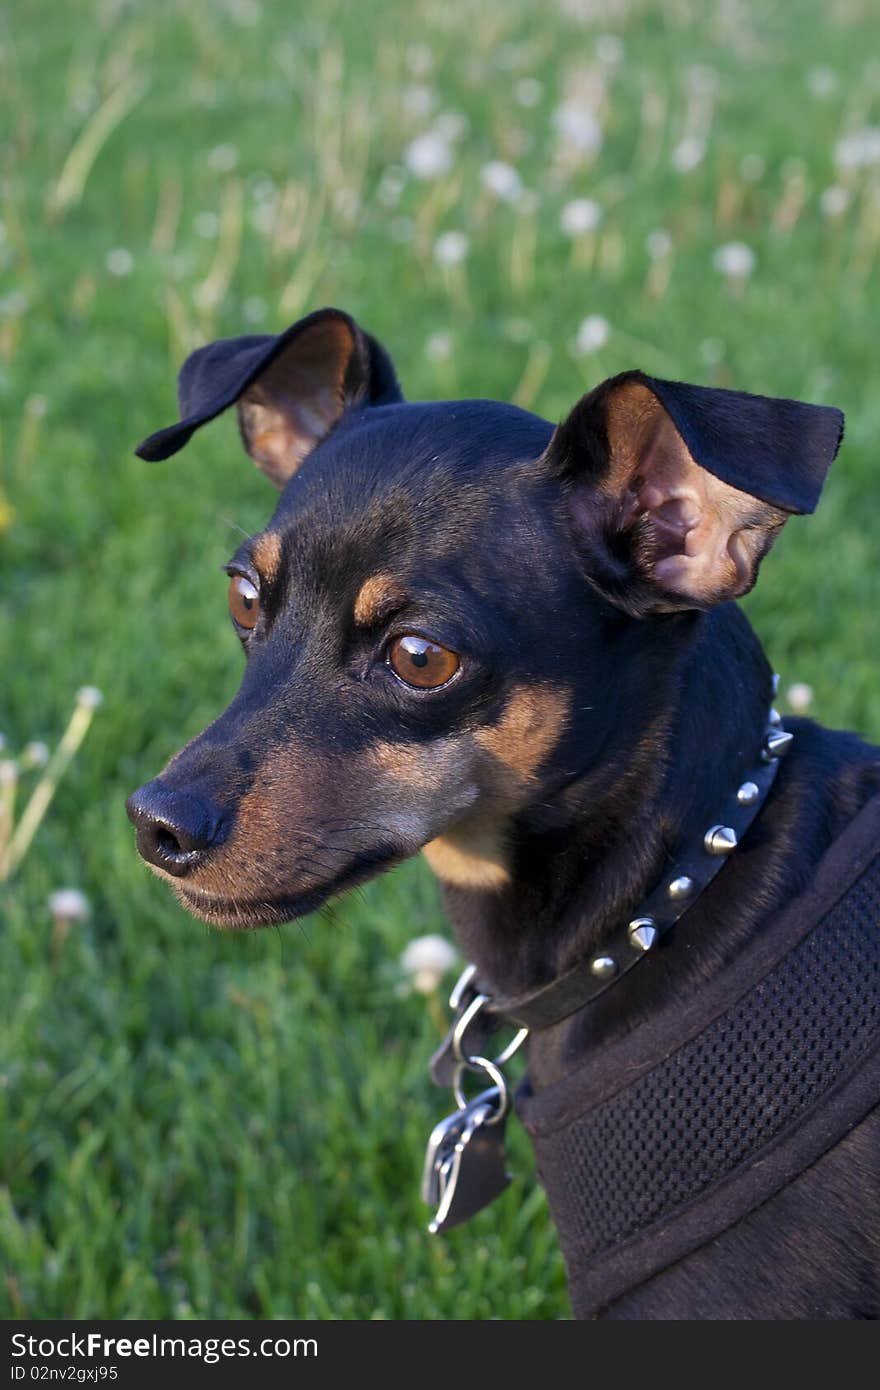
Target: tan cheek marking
(475,853)
(376,594)
(407,764)
(528,730)
(471,855)
(266,551)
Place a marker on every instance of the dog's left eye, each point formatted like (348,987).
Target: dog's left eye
(421,663)
(244,601)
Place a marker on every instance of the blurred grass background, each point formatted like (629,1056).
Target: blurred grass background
(518,201)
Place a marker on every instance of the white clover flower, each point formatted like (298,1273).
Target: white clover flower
(119,262)
(247,13)
(502,180)
(451,248)
(821,82)
(69,905)
(419,59)
(518,330)
(592,334)
(702,79)
(401,229)
(429,156)
(391,185)
(834,201)
(206,225)
(578,128)
(13,304)
(794,169)
(822,379)
(609,50)
(799,697)
(35,754)
(450,125)
(346,202)
(859,149)
(254,309)
(712,351)
(751,167)
(418,100)
(264,189)
(207,295)
(425,962)
(223,158)
(688,154)
(438,347)
(528,91)
(83,101)
(658,244)
(735,260)
(580,216)
(89,696)
(36,405)
(263,217)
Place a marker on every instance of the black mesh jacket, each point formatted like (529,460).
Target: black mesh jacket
(716,1132)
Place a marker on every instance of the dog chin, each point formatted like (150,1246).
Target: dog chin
(243,913)
(247,913)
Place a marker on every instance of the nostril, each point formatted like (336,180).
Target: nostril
(167,841)
(174,829)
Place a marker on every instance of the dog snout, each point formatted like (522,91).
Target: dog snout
(175,829)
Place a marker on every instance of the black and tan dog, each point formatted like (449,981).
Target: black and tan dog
(513,648)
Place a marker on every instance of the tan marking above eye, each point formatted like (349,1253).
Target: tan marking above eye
(266,552)
(376,597)
(244,601)
(422,663)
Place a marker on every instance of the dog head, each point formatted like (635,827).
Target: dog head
(452,610)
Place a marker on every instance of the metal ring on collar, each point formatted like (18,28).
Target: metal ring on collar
(512,1047)
(462,1024)
(461,984)
(495,1076)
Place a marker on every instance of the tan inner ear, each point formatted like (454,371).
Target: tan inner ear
(297,400)
(695,536)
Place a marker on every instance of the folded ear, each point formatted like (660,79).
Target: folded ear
(677,492)
(291,390)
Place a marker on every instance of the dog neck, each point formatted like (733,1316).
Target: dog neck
(583,859)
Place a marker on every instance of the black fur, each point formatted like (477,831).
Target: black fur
(468,504)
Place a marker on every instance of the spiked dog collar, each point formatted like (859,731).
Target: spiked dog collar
(588,978)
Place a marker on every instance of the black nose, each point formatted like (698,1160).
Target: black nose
(174,829)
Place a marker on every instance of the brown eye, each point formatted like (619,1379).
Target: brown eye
(422,663)
(244,601)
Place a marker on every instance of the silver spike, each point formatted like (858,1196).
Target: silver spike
(642,933)
(603,967)
(775,682)
(680,888)
(748,794)
(776,743)
(775,717)
(720,839)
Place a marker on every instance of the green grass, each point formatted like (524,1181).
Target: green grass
(199,1124)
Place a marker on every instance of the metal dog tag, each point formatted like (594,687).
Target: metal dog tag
(465,1166)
